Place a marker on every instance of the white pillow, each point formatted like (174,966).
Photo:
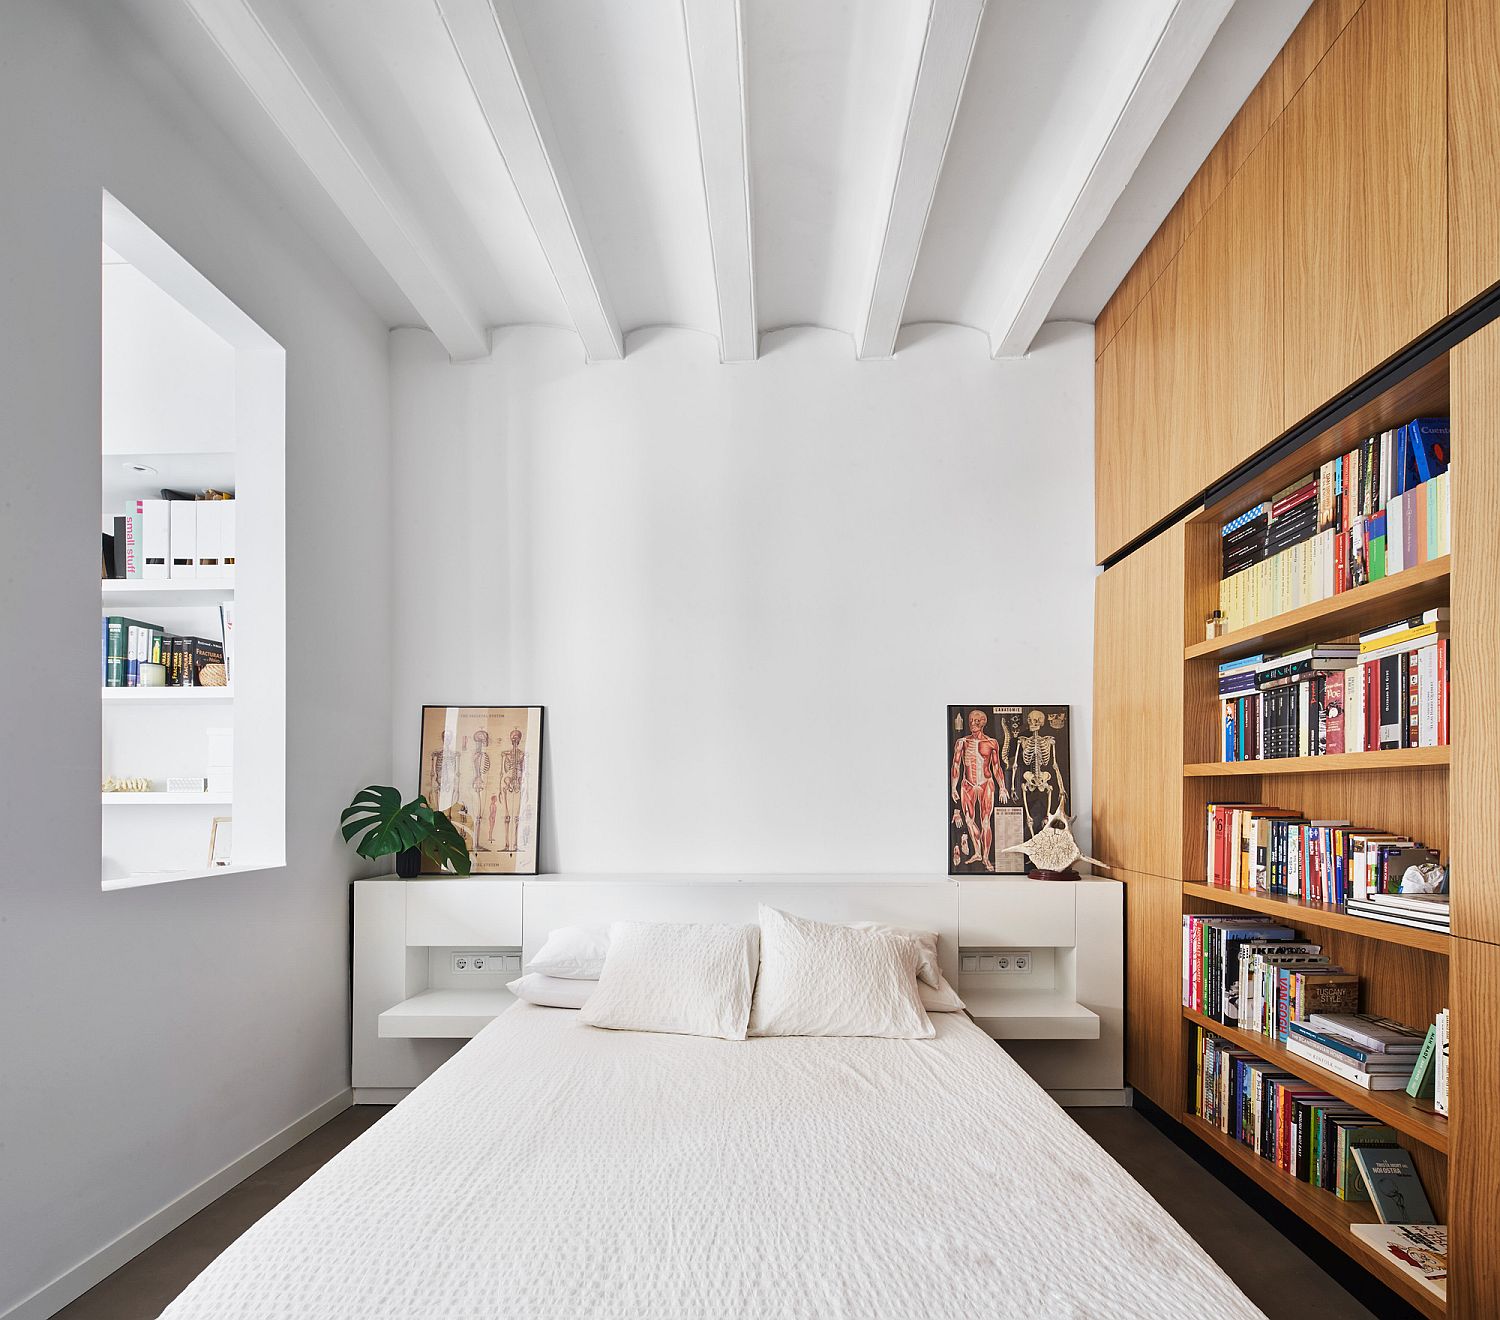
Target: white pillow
(689,980)
(927,949)
(942,999)
(574,953)
(822,980)
(552,991)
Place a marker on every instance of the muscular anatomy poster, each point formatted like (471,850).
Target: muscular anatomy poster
(481,766)
(1008,768)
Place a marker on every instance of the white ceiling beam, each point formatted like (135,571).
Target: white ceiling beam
(947,45)
(487,36)
(301,100)
(1101,171)
(717,60)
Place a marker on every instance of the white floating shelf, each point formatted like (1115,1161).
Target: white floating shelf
(166,696)
(137,592)
(165,799)
(143,879)
(1030,1015)
(454,1014)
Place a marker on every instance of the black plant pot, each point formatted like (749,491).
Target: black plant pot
(409,863)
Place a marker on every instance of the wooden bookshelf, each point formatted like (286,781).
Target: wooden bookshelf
(1396,1108)
(1371,606)
(1397,758)
(1322,916)
(1323,1210)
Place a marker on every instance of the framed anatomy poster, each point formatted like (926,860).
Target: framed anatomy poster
(482,767)
(1009,767)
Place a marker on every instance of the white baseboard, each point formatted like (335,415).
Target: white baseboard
(374,1095)
(51,1298)
(1122,1098)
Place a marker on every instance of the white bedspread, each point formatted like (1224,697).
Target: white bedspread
(554,1170)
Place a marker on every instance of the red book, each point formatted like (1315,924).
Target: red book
(1293,498)
(1413,697)
(1333,705)
(1442,691)
(1372,705)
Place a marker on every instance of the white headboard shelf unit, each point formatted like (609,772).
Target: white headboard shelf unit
(1058,1006)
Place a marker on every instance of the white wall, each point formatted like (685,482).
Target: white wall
(149,1037)
(745,594)
(167,379)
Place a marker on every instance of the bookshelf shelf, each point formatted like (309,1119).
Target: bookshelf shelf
(1322,915)
(165,799)
(1323,1210)
(1396,1108)
(166,696)
(133,593)
(1370,606)
(1397,758)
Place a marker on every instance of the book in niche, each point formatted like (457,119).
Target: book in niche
(1420,1251)
(1391,1179)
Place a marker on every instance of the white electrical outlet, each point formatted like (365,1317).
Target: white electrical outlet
(480,961)
(1016,963)
(995,962)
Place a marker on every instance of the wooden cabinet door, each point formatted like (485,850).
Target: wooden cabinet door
(1136,421)
(1230,373)
(1138,705)
(1364,144)
(1474,772)
(1154,1059)
(1473,148)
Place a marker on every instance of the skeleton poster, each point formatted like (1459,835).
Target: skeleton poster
(1009,767)
(482,767)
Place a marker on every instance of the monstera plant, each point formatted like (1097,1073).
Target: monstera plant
(415,833)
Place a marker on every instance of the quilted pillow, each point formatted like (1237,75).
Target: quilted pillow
(822,980)
(689,980)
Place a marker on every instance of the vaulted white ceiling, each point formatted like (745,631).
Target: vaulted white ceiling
(729,167)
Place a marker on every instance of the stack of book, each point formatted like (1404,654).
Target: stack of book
(1251,973)
(1286,705)
(1363,516)
(1398,697)
(1273,850)
(127,644)
(1373,1052)
(1422,911)
(178,536)
(1301,1129)
(1389,689)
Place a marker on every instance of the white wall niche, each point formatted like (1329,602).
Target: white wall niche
(193,395)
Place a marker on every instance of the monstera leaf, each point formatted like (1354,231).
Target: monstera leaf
(391,826)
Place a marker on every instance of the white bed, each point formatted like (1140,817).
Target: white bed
(551,1169)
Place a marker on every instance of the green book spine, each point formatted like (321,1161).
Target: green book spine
(1424,1073)
(114,656)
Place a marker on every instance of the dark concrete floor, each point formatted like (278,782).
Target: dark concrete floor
(1270,1270)
(1257,1257)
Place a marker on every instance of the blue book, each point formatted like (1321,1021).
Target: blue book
(1430,443)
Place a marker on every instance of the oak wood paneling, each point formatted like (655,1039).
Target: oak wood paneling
(1474,773)
(1137,421)
(1154,1061)
(1474,1170)
(1229,304)
(1312,39)
(1138,704)
(1365,268)
(1473,148)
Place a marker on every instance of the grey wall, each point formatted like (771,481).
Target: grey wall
(149,1037)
